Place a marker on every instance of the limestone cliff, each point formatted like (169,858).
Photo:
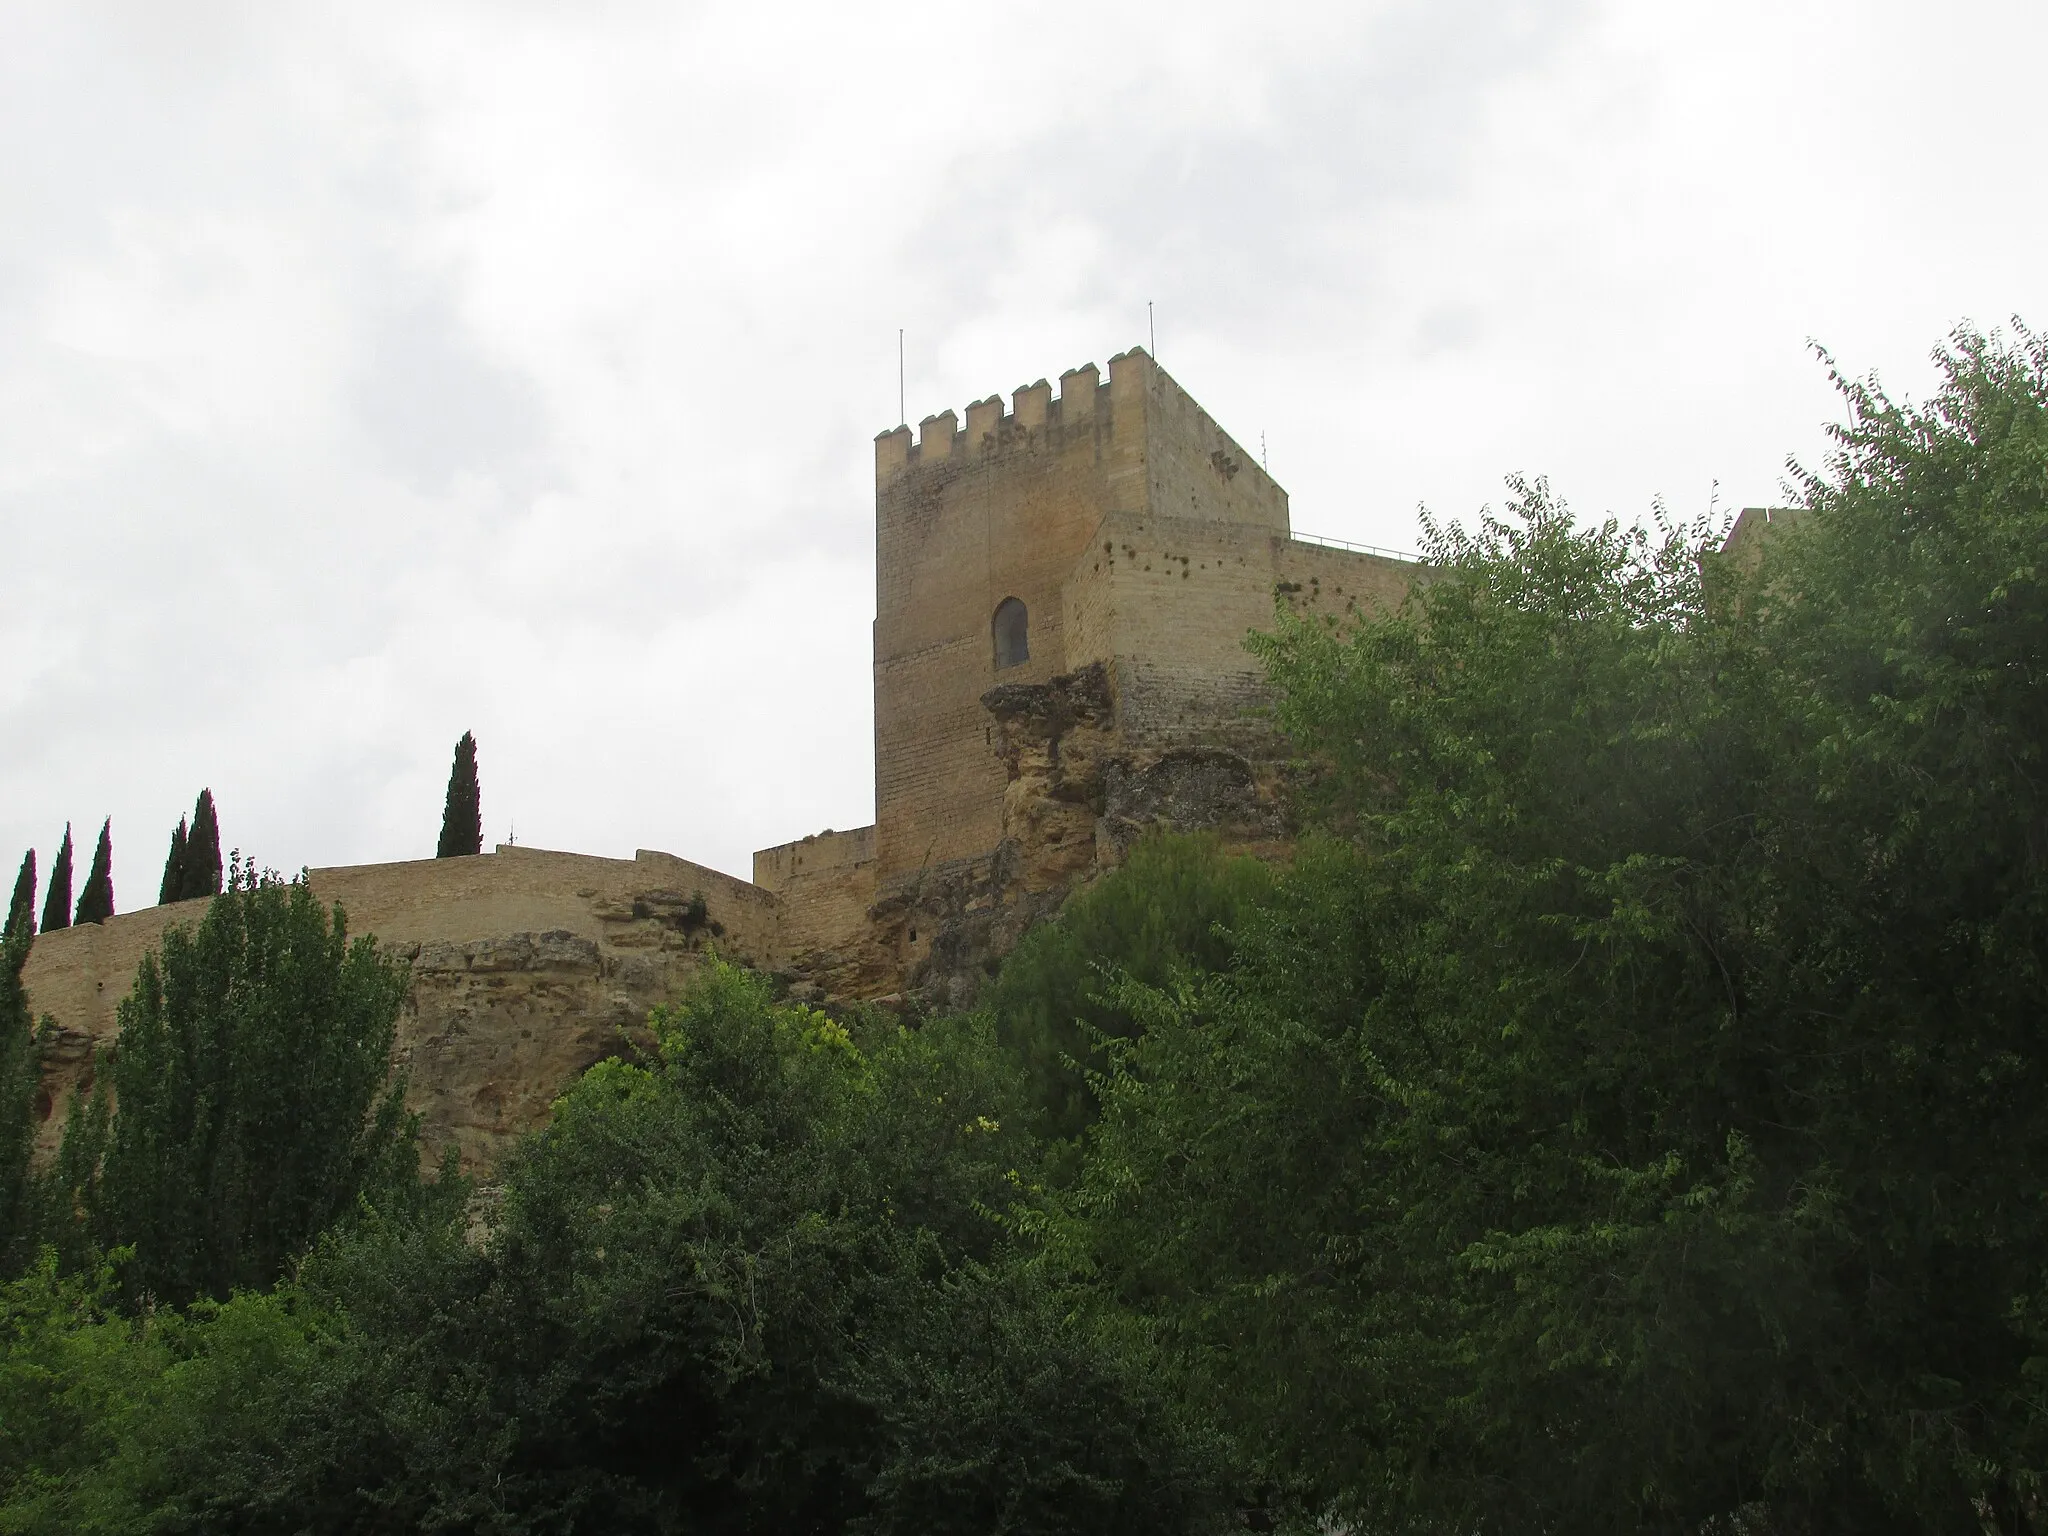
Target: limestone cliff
(527,967)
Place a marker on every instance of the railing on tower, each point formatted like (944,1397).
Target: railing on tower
(1363,549)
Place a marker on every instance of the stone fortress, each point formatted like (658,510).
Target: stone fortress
(1063,592)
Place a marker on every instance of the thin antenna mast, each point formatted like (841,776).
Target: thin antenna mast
(902,414)
(1151,330)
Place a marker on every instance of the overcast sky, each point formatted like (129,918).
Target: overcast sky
(370,373)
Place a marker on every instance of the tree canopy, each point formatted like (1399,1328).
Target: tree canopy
(192,869)
(1627,1115)
(462,818)
(172,887)
(96,901)
(251,1097)
(57,901)
(21,908)
(1627,1112)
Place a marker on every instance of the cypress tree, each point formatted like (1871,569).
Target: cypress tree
(462,821)
(96,901)
(21,1072)
(173,886)
(21,911)
(202,851)
(57,904)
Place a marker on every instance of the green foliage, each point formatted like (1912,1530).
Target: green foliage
(1171,907)
(193,867)
(96,901)
(1628,1113)
(57,901)
(691,1312)
(202,868)
(1631,1118)
(114,1423)
(172,887)
(462,818)
(21,1066)
(21,909)
(756,1284)
(253,1093)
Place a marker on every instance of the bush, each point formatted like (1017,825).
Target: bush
(1171,908)
(252,1101)
(1623,1121)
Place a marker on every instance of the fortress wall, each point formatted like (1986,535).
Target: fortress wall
(828,937)
(1744,545)
(825,909)
(826,883)
(964,519)
(938,786)
(775,867)
(1005,507)
(1166,604)
(1196,469)
(527,965)
(1316,578)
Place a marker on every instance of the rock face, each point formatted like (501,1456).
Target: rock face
(1078,794)
(527,967)
(1063,593)
(496,1028)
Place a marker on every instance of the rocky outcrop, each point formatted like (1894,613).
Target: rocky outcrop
(1077,796)
(496,1028)
(527,967)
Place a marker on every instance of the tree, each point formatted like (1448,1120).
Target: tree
(761,1281)
(462,820)
(172,887)
(193,867)
(20,1080)
(96,901)
(1171,907)
(1614,1123)
(57,902)
(253,1101)
(21,910)
(202,851)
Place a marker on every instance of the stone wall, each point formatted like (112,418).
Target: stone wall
(1146,546)
(527,967)
(1003,508)
(826,883)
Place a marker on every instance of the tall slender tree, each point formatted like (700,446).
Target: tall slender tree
(20,1075)
(96,901)
(202,850)
(173,886)
(462,821)
(57,903)
(21,911)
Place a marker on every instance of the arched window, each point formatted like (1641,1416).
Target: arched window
(1012,630)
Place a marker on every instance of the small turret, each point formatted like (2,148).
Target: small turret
(1032,404)
(935,436)
(984,418)
(1077,394)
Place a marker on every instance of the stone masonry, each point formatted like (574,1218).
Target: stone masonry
(1063,592)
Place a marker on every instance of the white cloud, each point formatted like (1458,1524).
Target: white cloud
(374,373)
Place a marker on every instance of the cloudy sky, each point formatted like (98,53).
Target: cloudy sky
(369,373)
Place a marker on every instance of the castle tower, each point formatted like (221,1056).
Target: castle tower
(979,534)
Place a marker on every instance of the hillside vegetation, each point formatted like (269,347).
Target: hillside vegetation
(1628,1112)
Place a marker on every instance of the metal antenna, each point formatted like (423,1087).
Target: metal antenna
(902,415)
(1262,452)
(1151,330)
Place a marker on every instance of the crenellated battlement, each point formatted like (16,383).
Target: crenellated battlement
(1084,404)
